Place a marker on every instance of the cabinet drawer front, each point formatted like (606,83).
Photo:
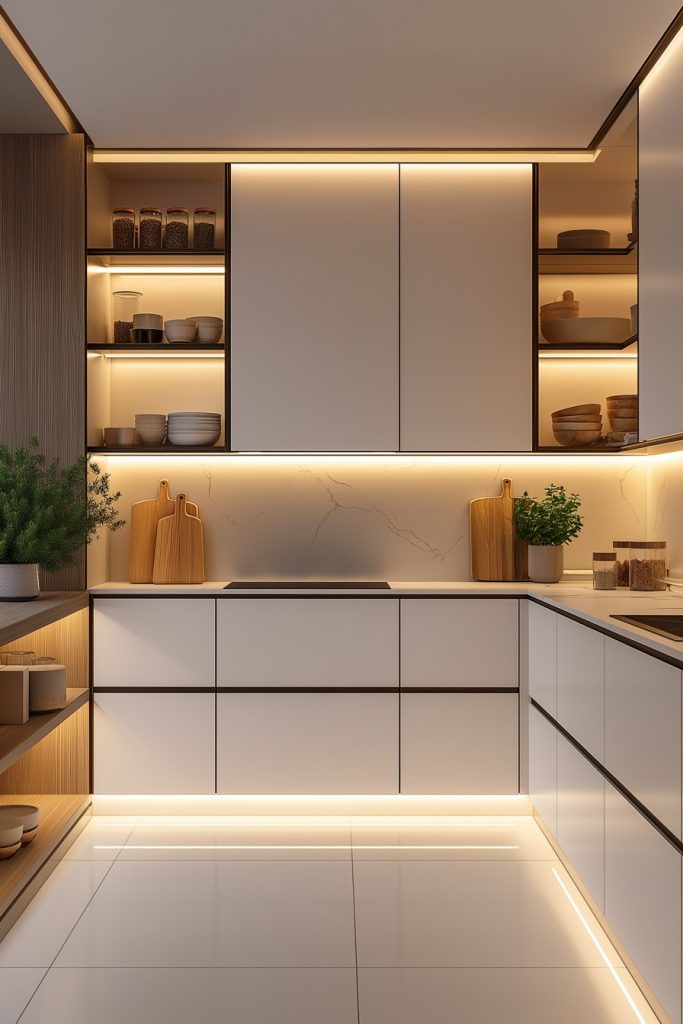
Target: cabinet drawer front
(643,897)
(543,657)
(581,684)
(154,743)
(459,743)
(643,729)
(459,642)
(543,768)
(307,743)
(307,642)
(154,642)
(581,817)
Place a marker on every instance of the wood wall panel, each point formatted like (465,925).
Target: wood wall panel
(66,640)
(42,281)
(58,764)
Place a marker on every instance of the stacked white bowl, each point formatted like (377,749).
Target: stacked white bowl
(180,332)
(209,328)
(151,427)
(190,428)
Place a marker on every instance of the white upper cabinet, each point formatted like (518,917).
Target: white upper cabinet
(660,353)
(466,307)
(314,307)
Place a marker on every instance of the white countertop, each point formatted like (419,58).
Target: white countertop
(577,598)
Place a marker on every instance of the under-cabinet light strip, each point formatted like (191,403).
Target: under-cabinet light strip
(355,156)
(157,269)
(164,353)
(318,847)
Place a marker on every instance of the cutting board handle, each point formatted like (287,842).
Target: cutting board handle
(507,487)
(163,490)
(181,505)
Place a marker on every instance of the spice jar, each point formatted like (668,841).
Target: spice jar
(623,550)
(604,570)
(204,228)
(647,567)
(177,220)
(150,227)
(125,307)
(123,227)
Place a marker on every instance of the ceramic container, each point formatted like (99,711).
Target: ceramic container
(46,688)
(19,582)
(546,563)
(26,815)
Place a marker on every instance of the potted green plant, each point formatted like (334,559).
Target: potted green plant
(547,524)
(47,513)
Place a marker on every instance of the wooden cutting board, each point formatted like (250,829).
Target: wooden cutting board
(144,519)
(179,551)
(497,552)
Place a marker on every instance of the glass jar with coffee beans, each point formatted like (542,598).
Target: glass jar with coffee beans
(177,234)
(622,549)
(604,570)
(150,227)
(125,307)
(647,566)
(123,227)
(204,228)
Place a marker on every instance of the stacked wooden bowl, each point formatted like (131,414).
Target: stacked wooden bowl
(577,426)
(622,411)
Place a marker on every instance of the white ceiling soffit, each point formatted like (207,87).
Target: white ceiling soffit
(341,73)
(22,108)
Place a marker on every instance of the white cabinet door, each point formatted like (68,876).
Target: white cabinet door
(154,743)
(543,768)
(643,897)
(581,684)
(543,657)
(314,307)
(163,642)
(466,308)
(307,743)
(643,729)
(459,743)
(303,642)
(660,255)
(581,817)
(459,642)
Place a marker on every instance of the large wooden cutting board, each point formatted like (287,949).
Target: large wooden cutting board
(144,519)
(497,552)
(179,551)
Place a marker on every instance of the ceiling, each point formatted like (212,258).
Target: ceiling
(22,108)
(341,73)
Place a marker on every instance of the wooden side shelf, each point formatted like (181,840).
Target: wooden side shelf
(16,740)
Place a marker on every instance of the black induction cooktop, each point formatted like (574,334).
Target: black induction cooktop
(307,585)
(670,626)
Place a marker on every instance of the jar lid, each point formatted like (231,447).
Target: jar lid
(123,209)
(150,209)
(204,209)
(176,209)
(604,556)
(128,295)
(648,544)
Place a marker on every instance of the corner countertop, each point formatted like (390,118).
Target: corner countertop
(574,598)
(17,618)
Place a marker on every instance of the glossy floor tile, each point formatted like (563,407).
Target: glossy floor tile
(159,920)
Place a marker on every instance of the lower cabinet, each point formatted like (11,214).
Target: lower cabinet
(581,817)
(459,743)
(154,743)
(643,897)
(543,768)
(307,743)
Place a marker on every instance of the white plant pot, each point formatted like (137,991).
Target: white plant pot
(19,582)
(546,563)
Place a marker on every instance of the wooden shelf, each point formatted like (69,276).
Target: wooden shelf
(588,261)
(58,815)
(159,257)
(165,449)
(18,618)
(552,449)
(157,350)
(16,740)
(588,346)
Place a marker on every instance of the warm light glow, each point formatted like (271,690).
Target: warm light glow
(302,156)
(148,268)
(673,51)
(394,459)
(166,352)
(302,846)
(587,354)
(37,77)
(596,942)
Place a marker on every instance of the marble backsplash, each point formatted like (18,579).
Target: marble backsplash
(665,505)
(370,517)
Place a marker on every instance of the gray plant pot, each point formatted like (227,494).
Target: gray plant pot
(546,563)
(19,582)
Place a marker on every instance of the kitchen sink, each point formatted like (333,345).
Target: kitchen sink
(307,585)
(670,626)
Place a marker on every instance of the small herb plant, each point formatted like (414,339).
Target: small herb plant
(48,512)
(552,520)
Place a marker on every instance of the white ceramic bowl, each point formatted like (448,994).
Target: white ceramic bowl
(148,321)
(205,320)
(583,329)
(11,830)
(180,331)
(153,436)
(209,334)
(189,440)
(26,814)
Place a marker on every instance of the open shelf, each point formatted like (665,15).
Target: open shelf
(16,740)
(162,349)
(163,260)
(165,449)
(588,346)
(577,261)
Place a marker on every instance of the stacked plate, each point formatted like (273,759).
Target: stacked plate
(577,425)
(192,428)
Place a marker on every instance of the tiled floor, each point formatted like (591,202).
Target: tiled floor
(166,921)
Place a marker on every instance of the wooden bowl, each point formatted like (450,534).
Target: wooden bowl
(627,425)
(584,238)
(576,425)
(572,410)
(584,330)
(622,398)
(576,438)
(594,416)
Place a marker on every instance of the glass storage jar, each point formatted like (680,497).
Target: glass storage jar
(647,566)
(125,307)
(622,549)
(204,228)
(177,221)
(150,227)
(604,570)
(123,227)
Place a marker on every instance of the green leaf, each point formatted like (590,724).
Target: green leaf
(552,520)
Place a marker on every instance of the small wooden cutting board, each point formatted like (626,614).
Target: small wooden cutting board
(498,555)
(179,551)
(144,519)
